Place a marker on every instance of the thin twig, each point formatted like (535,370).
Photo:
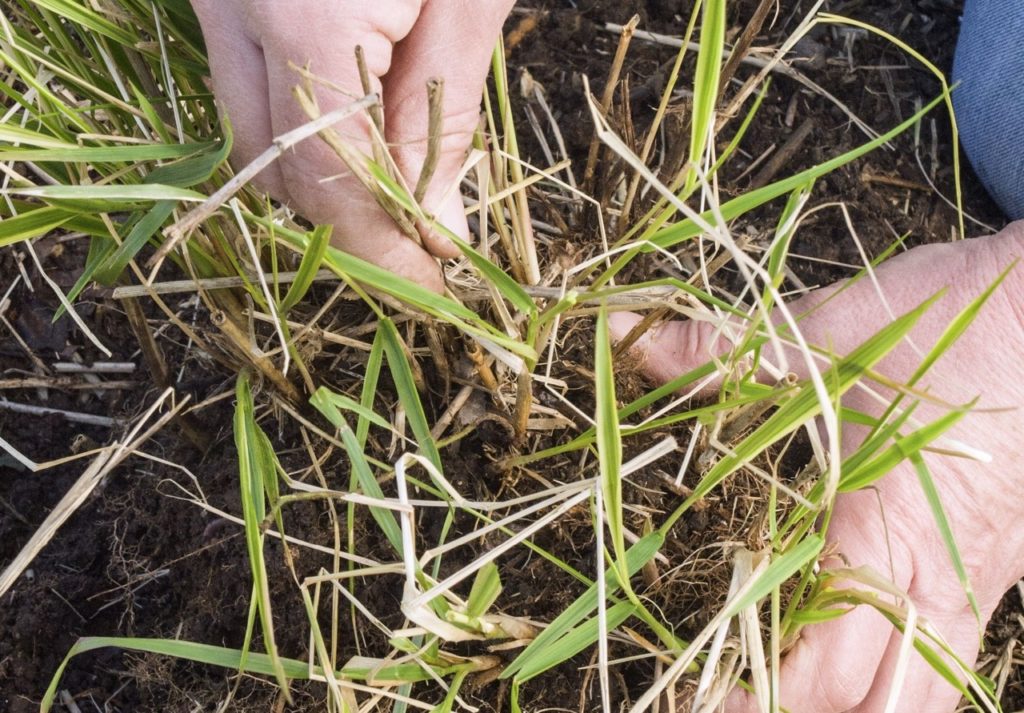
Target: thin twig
(625,36)
(782,157)
(64,383)
(99,367)
(435,125)
(376,115)
(739,50)
(210,283)
(73,416)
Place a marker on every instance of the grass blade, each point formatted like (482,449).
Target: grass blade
(636,557)
(255,467)
(311,260)
(705,85)
(407,394)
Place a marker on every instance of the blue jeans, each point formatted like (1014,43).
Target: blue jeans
(989,102)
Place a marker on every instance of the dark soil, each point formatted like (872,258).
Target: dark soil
(138,560)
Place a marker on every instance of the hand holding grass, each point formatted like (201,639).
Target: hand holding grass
(847,663)
(405,43)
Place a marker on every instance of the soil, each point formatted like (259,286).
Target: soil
(139,560)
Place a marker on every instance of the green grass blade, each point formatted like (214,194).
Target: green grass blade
(805,405)
(308,267)
(958,326)
(14,134)
(407,394)
(326,402)
(325,396)
(736,140)
(443,308)
(63,153)
(193,170)
(903,448)
(924,476)
(486,590)
(609,440)
(258,664)
(705,85)
(447,705)
(32,224)
(104,195)
(79,13)
(636,557)
(665,237)
(255,467)
(572,642)
(880,435)
(781,569)
(508,287)
(108,272)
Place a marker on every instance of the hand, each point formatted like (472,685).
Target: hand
(846,664)
(406,42)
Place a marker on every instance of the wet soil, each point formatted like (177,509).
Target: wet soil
(137,559)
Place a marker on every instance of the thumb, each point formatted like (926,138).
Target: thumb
(834,665)
(671,349)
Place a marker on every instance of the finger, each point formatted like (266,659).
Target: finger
(670,349)
(922,688)
(833,665)
(677,347)
(324,36)
(452,40)
(240,85)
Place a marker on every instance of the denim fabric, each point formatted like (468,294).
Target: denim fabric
(989,102)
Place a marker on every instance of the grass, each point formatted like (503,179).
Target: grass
(110,135)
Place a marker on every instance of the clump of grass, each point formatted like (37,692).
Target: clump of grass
(108,135)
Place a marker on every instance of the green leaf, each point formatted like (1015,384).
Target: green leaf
(666,237)
(781,569)
(324,402)
(308,267)
(609,440)
(705,83)
(573,642)
(501,280)
(443,308)
(79,13)
(14,134)
(685,229)
(407,394)
(103,154)
(636,557)
(805,405)
(325,397)
(931,492)
(255,467)
(111,269)
(32,224)
(196,169)
(113,194)
(254,663)
(485,591)
(902,448)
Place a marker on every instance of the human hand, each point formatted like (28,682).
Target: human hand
(405,42)
(847,664)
